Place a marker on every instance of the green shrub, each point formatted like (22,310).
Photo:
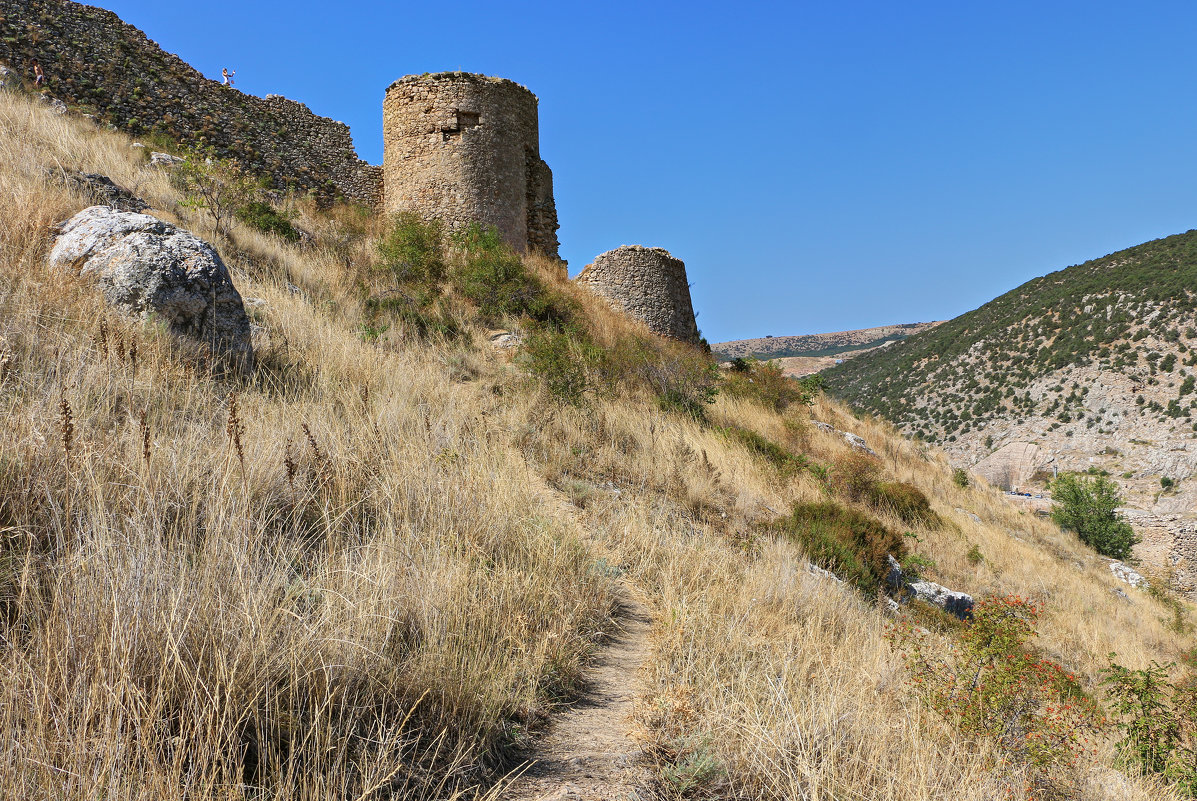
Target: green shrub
(785,461)
(492,276)
(1089,507)
(411,254)
(682,378)
(764,383)
(1167,483)
(847,542)
(905,500)
(411,251)
(1158,720)
(960,476)
(563,359)
(268,220)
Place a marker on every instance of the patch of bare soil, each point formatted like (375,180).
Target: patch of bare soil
(589,753)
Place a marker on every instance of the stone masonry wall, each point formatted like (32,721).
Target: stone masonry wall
(466,148)
(647,283)
(96,63)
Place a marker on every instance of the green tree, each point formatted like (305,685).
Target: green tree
(1089,507)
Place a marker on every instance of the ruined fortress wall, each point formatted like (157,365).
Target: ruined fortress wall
(647,283)
(99,65)
(466,148)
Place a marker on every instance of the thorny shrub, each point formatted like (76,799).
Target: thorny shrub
(1158,720)
(990,684)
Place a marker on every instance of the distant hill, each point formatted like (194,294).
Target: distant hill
(1095,365)
(813,345)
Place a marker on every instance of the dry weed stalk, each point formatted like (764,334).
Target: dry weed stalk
(235,430)
(144,427)
(66,425)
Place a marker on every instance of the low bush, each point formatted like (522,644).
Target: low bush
(492,276)
(855,475)
(764,383)
(564,358)
(683,378)
(785,461)
(847,542)
(410,254)
(1158,720)
(904,500)
(989,684)
(268,220)
(411,251)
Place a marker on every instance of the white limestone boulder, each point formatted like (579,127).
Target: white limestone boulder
(152,270)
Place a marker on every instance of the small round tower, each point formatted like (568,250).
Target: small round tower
(647,283)
(466,148)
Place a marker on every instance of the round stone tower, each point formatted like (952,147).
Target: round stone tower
(466,148)
(647,283)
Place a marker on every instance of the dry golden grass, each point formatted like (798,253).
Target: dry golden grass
(377,596)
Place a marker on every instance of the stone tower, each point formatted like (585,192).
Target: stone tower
(647,283)
(466,148)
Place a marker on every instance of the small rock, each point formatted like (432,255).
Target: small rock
(8,79)
(1128,575)
(56,105)
(824,427)
(973,516)
(814,569)
(955,603)
(1121,594)
(502,340)
(150,269)
(164,160)
(104,191)
(858,443)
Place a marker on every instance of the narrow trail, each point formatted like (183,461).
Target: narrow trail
(589,753)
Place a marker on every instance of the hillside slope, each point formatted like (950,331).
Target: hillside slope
(817,344)
(381,562)
(1092,365)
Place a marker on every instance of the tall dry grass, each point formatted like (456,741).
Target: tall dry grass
(360,586)
(356,595)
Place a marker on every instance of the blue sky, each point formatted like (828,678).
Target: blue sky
(818,166)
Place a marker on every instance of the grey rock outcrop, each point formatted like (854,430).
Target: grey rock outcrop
(164,160)
(1128,574)
(102,190)
(955,603)
(150,269)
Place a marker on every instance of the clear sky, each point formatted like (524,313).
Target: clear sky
(820,165)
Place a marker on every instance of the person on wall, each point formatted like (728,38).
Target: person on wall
(228,76)
(39,77)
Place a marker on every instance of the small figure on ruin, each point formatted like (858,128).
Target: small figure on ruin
(227,76)
(39,76)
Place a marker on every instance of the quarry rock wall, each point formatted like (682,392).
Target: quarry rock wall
(647,283)
(98,64)
(466,148)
